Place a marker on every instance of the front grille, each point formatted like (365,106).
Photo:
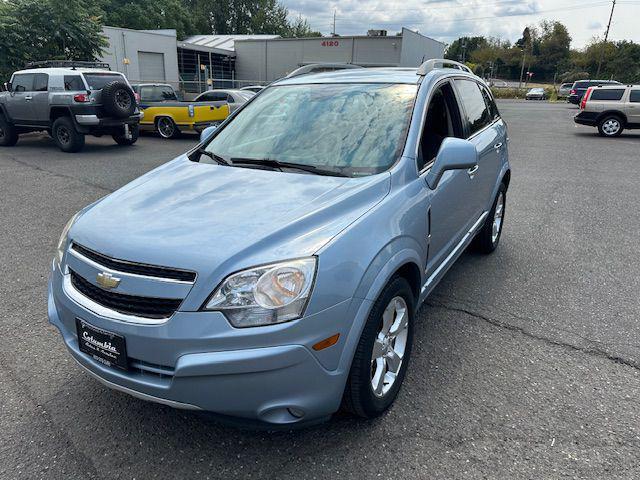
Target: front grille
(148,307)
(136,268)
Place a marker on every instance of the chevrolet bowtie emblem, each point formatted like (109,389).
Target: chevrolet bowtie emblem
(108,281)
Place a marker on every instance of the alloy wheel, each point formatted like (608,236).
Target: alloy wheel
(611,126)
(123,100)
(497,218)
(389,346)
(64,136)
(166,127)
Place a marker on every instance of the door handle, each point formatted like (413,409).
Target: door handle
(472,171)
(498,146)
(28,97)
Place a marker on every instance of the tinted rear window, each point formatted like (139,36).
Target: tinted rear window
(73,83)
(476,110)
(608,94)
(581,85)
(97,81)
(635,96)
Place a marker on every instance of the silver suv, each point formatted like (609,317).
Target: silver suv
(611,109)
(69,100)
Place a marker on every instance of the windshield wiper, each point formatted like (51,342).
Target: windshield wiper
(267,162)
(217,158)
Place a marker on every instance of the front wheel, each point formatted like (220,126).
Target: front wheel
(610,126)
(121,139)
(8,133)
(66,136)
(382,355)
(167,128)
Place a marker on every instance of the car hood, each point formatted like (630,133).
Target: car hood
(215,219)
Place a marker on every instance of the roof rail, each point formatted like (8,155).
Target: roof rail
(321,67)
(434,63)
(67,64)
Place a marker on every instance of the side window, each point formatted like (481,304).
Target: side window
(476,111)
(73,83)
(491,103)
(23,82)
(607,94)
(230,99)
(163,93)
(635,96)
(442,120)
(40,82)
(146,94)
(214,97)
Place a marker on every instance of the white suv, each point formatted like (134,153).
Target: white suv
(611,108)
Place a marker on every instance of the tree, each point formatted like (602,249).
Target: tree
(148,15)
(47,29)
(463,48)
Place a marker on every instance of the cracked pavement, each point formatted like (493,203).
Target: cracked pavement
(526,362)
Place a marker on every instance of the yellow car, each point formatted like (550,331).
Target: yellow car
(168,116)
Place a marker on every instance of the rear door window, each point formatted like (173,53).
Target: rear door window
(97,81)
(491,104)
(607,94)
(22,82)
(635,96)
(40,82)
(476,111)
(73,83)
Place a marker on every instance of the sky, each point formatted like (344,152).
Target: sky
(446,20)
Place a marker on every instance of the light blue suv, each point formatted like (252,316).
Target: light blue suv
(273,272)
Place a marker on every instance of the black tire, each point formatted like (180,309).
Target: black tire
(8,133)
(359,397)
(120,139)
(485,240)
(118,99)
(611,126)
(65,135)
(167,128)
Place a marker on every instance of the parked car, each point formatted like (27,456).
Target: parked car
(565,90)
(536,94)
(69,100)
(235,98)
(611,109)
(253,88)
(580,87)
(166,114)
(273,271)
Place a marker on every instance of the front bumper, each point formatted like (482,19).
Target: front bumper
(197,361)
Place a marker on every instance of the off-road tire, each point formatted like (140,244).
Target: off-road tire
(8,133)
(118,99)
(120,139)
(65,135)
(359,397)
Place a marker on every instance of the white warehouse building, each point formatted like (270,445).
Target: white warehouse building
(265,60)
(204,61)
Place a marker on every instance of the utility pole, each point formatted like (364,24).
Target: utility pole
(334,23)
(464,50)
(524,54)
(606,37)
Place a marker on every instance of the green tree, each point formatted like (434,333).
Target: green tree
(47,29)
(464,47)
(148,15)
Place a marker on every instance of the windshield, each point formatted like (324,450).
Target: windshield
(355,129)
(97,81)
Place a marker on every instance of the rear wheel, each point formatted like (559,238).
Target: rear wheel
(66,136)
(610,126)
(121,139)
(382,356)
(8,133)
(167,128)
(488,237)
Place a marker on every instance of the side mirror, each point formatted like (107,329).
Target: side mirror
(7,86)
(207,132)
(454,154)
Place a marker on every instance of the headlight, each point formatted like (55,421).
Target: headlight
(265,295)
(62,243)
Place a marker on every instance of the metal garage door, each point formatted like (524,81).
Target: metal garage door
(151,66)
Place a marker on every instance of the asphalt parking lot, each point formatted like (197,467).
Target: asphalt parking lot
(526,362)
